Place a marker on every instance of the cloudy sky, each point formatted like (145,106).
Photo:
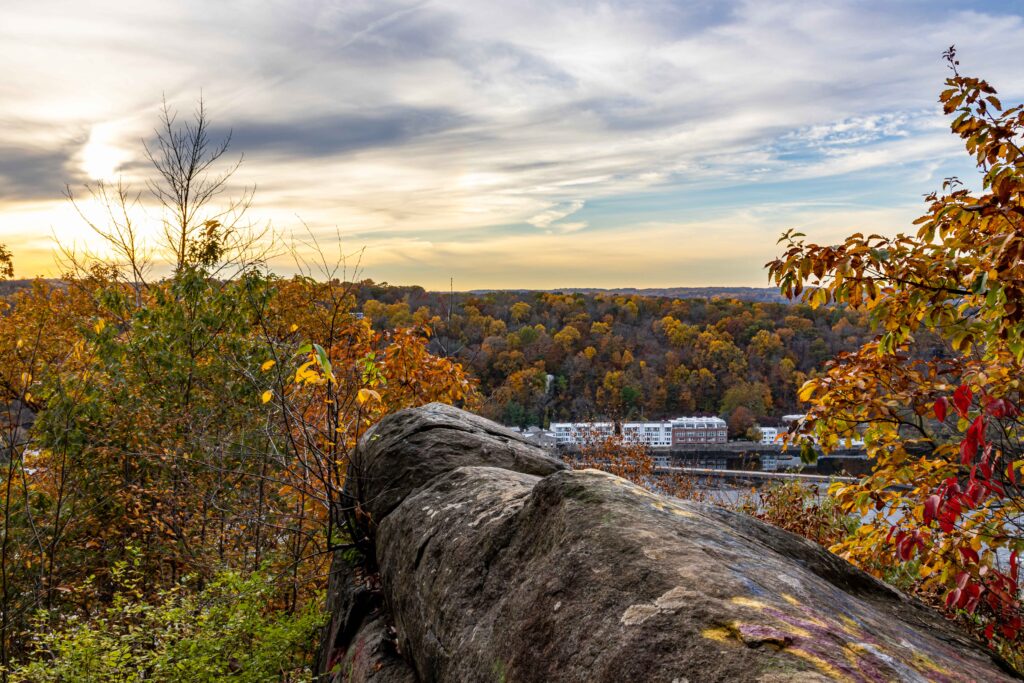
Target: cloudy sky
(508,144)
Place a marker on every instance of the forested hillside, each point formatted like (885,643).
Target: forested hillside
(612,355)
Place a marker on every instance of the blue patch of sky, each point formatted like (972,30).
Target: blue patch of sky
(868,189)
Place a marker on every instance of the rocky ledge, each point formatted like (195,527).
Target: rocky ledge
(494,562)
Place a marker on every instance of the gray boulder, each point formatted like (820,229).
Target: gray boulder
(498,564)
(410,448)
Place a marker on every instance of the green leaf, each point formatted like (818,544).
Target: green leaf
(325,362)
(808,455)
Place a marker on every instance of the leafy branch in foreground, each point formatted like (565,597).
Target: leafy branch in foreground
(938,391)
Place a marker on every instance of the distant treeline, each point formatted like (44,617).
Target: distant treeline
(9,287)
(770,294)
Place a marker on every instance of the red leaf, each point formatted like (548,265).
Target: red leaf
(953,597)
(976,493)
(969,597)
(968,554)
(977,429)
(940,409)
(990,631)
(1011,474)
(962,399)
(931,508)
(997,408)
(986,470)
(968,449)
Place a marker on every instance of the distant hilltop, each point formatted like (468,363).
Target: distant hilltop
(768,294)
(763,294)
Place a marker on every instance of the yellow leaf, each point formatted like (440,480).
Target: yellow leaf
(293,327)
(305,373)
(100,324)
(267,395)
(267,364)
(365,395)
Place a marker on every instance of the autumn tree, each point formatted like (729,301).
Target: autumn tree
(519,311)
(6,263)
(755,397)
(203,224)
(741,421)
(190,181)
(937,393)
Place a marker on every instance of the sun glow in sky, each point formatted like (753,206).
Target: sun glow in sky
(508,144)
(101,157)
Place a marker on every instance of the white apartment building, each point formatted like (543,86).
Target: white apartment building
(769,436)
(678,432)
(576,433)
(651,434)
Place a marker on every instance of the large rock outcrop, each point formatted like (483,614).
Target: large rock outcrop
(496,563)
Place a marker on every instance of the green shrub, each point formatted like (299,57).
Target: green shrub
(228,630)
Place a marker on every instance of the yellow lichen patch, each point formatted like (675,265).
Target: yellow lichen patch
(797,632)
(849,623)
(719,633)
(852,653)
(832,672)
(924,663)
(748,602)
(818,621)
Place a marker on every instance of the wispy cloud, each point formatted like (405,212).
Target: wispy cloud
(545,218)
(438,133)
